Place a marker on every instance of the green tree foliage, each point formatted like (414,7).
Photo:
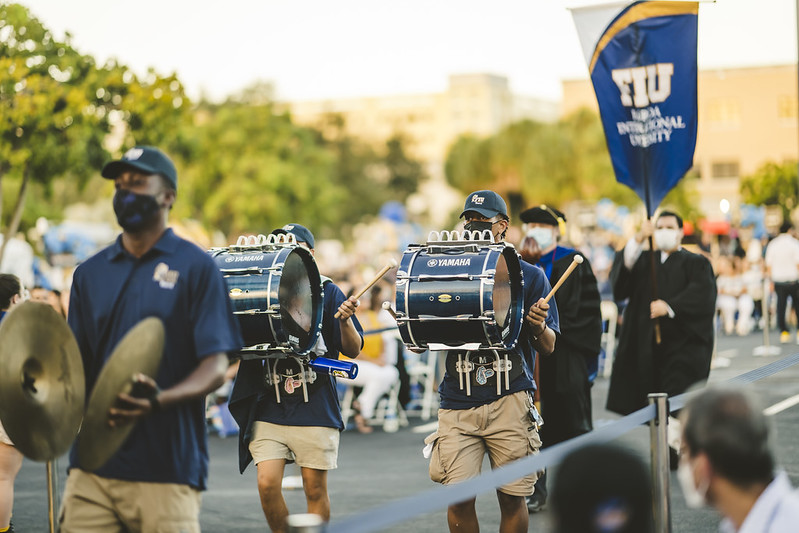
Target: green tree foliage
(46,124)
(57,108)
(773,184)
(531,162)
(252,169)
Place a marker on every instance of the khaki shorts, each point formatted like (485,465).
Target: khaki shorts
(502,428)
(95,504)
(4,436)
(310,446)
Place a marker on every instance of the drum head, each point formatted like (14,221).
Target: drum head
(502,296)
(300,299)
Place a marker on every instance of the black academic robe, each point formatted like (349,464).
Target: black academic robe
(686,282)
(564,383)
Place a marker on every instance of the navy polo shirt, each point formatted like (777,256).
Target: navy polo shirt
(179,283)
(536,285)
(322,407)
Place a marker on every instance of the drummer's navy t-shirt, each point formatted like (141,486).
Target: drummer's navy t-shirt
(322,407)
(536,286)
(179,283)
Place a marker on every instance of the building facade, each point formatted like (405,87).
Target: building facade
(478,104)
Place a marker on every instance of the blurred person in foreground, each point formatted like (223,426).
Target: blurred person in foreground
(506,425)
(153,482)
(682,303)
(727,463)
(11,293)
(287,429)
(602,488)
(565,383)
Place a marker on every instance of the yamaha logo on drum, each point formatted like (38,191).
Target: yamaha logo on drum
(444,298)
(460,261)
(242,258)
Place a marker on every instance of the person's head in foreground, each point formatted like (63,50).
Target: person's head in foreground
(727,462)
(602,488)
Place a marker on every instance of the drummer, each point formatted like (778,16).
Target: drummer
(504,425)
(11,293)
(153,482)
(279,430)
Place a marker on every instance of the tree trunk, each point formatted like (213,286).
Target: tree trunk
(16,217)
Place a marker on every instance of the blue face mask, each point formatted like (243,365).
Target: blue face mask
(543,236)
(134,211)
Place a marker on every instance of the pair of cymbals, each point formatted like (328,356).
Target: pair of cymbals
(42,384)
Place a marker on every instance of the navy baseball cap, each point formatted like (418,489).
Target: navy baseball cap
(147,159)
(487,203)
(302,233)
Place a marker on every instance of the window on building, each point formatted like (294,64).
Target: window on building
(725,169)
(787,107)
(724,112)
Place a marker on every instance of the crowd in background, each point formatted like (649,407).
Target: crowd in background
(44,261)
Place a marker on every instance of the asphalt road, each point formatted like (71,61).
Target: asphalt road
(380,467)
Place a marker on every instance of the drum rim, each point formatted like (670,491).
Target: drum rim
(497,339)
(275,322)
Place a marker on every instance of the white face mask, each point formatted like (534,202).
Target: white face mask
(667,239)
(694,498)
(543,236)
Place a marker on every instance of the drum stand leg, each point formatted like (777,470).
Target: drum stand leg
(52,493)
(460,374)
(468,374)
(274,378)
(303,377)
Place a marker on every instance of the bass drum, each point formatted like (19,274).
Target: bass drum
(461,295)
(276,292)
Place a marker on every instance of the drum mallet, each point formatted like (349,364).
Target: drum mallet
(578,259)
(387,307)
(391,264)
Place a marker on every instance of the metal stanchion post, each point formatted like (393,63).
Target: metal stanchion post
(52,493)
(660,462)
(306,523)
(766,349)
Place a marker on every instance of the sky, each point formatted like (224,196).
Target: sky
(315,49)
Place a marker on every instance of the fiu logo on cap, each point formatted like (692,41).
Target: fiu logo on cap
(133,153)
(478,200)
(166,278)
(642,86)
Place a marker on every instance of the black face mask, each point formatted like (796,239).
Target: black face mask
(134,211)
(478,225)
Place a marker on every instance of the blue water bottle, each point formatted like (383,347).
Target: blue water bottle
(335,367)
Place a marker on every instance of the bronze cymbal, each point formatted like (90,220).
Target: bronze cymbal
(42,386)
(139,351)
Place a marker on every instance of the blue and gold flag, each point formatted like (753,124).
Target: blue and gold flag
(642,61)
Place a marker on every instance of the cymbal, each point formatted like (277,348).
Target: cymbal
(139,351)
(42,386)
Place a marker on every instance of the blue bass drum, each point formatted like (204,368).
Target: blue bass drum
(276,292)
(460,294)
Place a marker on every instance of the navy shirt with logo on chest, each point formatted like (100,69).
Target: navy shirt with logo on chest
(322,407)
(179,283)
(536,285)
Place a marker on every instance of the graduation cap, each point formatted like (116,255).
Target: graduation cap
(544,214)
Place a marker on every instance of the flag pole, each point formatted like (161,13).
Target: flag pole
(653,272)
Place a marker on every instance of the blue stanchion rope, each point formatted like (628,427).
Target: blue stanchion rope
(441,497)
